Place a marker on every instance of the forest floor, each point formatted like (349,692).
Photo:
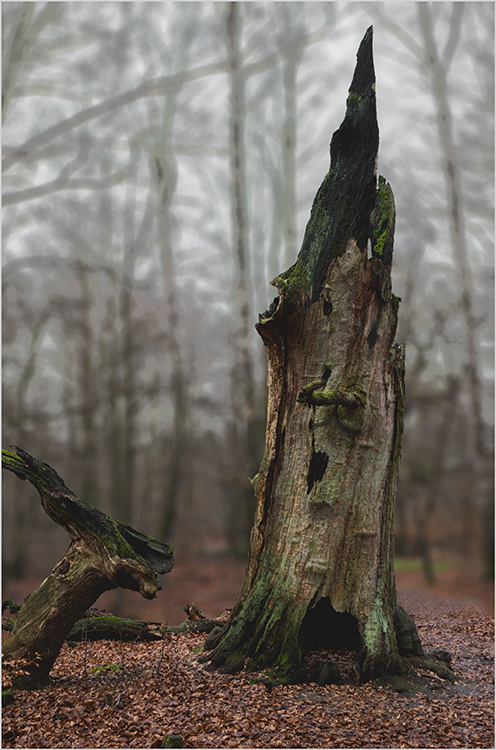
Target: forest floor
(118,695)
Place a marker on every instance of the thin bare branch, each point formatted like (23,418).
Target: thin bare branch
(65,183)
(155,87)
(375,12)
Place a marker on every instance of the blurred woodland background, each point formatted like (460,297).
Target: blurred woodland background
(160,163)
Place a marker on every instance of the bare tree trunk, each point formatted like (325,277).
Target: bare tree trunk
(19,525)
(113,423)
(321,556)
(438,65)
(242,374)
(166,174)
(130,399)
(14,53)
(426,508)
(81,396)
(164,168)
(88,391)
(288,144)
(239,222)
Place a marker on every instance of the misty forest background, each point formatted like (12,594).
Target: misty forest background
(160,163)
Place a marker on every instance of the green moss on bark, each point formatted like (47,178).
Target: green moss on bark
(294,284)
(383,223)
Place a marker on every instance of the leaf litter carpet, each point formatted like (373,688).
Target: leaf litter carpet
(134,693)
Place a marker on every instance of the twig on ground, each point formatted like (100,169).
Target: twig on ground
(85,635)
(159,663)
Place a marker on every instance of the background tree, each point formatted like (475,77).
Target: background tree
(434,53)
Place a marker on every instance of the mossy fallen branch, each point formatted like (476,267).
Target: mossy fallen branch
(114,628)
(104,554)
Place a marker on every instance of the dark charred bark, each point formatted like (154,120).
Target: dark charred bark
(103,555)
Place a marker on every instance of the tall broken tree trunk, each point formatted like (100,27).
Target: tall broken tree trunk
(103,555)
(321,557)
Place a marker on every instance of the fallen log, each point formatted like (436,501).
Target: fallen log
(114,629)
(99,626)
(103,625)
